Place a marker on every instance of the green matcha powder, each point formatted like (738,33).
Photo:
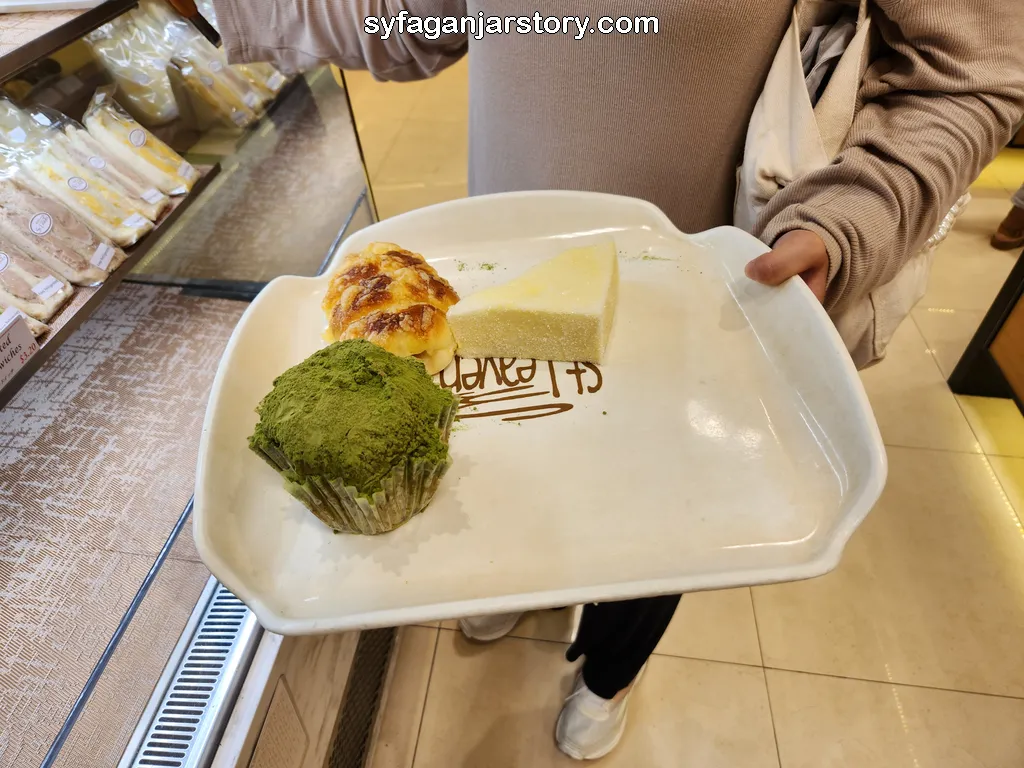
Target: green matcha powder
(351,412)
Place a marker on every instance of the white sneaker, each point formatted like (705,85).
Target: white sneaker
(487,629)
(590,727)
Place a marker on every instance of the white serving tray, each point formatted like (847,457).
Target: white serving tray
(726,441)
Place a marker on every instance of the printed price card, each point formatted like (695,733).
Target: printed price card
(17,344)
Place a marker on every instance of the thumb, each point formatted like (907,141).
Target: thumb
(794,254)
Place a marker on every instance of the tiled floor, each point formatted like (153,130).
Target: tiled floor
(909,655)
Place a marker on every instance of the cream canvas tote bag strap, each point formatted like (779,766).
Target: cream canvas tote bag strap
(788,136)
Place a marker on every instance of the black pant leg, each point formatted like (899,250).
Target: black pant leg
(618,638)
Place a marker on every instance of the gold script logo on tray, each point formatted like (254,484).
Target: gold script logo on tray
(518,390)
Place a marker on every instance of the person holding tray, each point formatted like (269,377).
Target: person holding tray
(656,105)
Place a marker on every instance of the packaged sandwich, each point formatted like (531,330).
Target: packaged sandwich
(263,77)
(101,206)
(9,314)
(203,66)
(136,147)
(230,97)
(29,286)
(45,166)
(84,151)
(53,235)
(136,60)
(87,150)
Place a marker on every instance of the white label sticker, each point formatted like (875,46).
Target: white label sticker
(152,196)
(5,261)
(179,190)
(101,256)
(206,80)
(47,287)
(16,346)
(17,135)
(275,81)
(135,220)
(8,316)
(137,137)
(239,118)
(97,162)
(41,224)
(186,171)
(251,100)
(78,184)
(216,66)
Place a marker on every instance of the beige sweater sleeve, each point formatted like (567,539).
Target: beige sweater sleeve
(297,35)
(939,105)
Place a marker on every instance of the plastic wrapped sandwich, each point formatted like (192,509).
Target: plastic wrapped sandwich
(227,94)
(49,169)
(202,66)
(87,150)
(136,59)
(9,314)
(73,143)
(29,286)
(263,77)
(136,147)
(54,236)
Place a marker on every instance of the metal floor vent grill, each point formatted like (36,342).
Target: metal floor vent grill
(186,725)
(354,730)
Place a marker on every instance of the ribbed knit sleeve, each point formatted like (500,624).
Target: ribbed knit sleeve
(298,35)
(937,107)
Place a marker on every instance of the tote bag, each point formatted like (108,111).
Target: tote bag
(789,137)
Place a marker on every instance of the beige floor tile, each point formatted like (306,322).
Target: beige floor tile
(968,272)
(714,625)
(395,744)
(1010,473)
(717,626)
(910,398)
(392,200)
(428,152)
(947,333)
(496,706)
(997,423)
(826,722)
(930,590)
(553,626)
(376,138)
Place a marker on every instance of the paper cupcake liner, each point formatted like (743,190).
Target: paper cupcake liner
(405,491)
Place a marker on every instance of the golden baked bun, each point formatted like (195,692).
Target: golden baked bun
(392,298)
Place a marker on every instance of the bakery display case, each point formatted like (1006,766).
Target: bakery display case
(148,191)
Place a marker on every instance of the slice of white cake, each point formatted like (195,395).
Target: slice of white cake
(560,310)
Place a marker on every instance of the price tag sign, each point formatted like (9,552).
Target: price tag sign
(17,345)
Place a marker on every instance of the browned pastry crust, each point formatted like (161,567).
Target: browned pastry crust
(395,299)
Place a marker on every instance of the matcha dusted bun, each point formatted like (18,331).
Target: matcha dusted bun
(359,434)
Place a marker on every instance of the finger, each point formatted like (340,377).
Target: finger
(794,254)
(778,265)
